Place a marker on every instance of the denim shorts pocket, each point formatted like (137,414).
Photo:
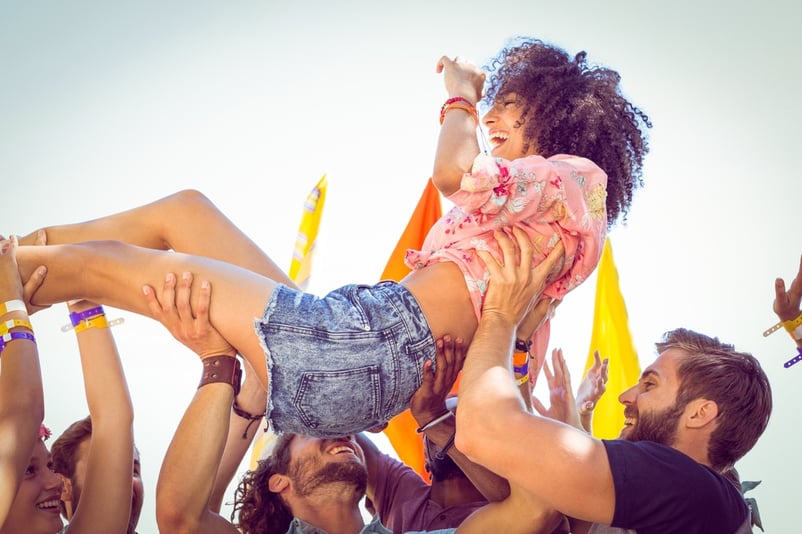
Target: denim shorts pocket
(340,402)
(417,353)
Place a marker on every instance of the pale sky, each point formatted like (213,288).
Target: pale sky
(105,106)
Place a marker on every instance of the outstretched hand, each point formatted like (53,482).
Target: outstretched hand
(593,385)
(787,303)
(562,405)
(515,286)
(175,311)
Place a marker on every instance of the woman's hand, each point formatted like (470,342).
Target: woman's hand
(462,78)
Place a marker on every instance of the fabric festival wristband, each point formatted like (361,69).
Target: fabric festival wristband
(83,325)
(789,326)
(796,359)
(223,369)
(12,306)
(5,339)
(251,418)
(522,369)
(77,317)
(522,380)
(797,333)
(6,326)
(98,321)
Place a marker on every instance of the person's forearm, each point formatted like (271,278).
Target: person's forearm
(457,145)
(106,495)
(106,389)
(190,465)
(241,432)
(489,484)
(21,414)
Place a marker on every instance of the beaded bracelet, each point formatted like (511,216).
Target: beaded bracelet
(12,306)
(452,100)
(5,339)
(6,326)
(469,109)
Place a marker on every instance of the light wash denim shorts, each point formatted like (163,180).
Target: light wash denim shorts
(343,363)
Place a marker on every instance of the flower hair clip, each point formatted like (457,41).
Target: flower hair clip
(44,432)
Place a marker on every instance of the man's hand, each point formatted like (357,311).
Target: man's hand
(429,401)
(175,311)
(515,287)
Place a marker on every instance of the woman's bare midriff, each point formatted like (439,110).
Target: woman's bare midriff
(443,296)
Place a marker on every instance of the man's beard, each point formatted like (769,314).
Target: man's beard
(659,427)
(308,477)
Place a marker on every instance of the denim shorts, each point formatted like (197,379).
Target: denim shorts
(343,363)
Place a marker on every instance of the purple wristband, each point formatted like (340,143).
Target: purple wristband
(795,359)
(6,338)
(77,317)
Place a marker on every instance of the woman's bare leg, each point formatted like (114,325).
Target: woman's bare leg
(186,221)
(114,273)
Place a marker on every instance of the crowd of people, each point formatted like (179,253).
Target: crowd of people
(528,224)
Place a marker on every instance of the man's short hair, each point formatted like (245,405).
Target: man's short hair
(64,450)
(735,381)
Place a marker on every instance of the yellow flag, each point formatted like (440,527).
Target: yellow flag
(612,339)
(301,265)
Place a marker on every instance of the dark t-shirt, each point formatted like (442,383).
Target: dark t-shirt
(403,500)
(661,490)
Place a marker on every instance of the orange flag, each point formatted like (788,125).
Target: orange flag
(401,429)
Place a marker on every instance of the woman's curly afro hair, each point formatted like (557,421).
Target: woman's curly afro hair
(570,107)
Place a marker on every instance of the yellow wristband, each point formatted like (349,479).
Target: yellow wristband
(98,321)
(522,380)
(6,326)
(12,306)
(790,326)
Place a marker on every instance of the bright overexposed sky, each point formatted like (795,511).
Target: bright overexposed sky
(108,105)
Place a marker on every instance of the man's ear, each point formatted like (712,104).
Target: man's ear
(66,497)
(278,483)
(700,412)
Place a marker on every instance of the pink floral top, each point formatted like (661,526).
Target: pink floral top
(562,197)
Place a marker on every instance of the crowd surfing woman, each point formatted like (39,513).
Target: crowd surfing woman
(30,492)
(567,155)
